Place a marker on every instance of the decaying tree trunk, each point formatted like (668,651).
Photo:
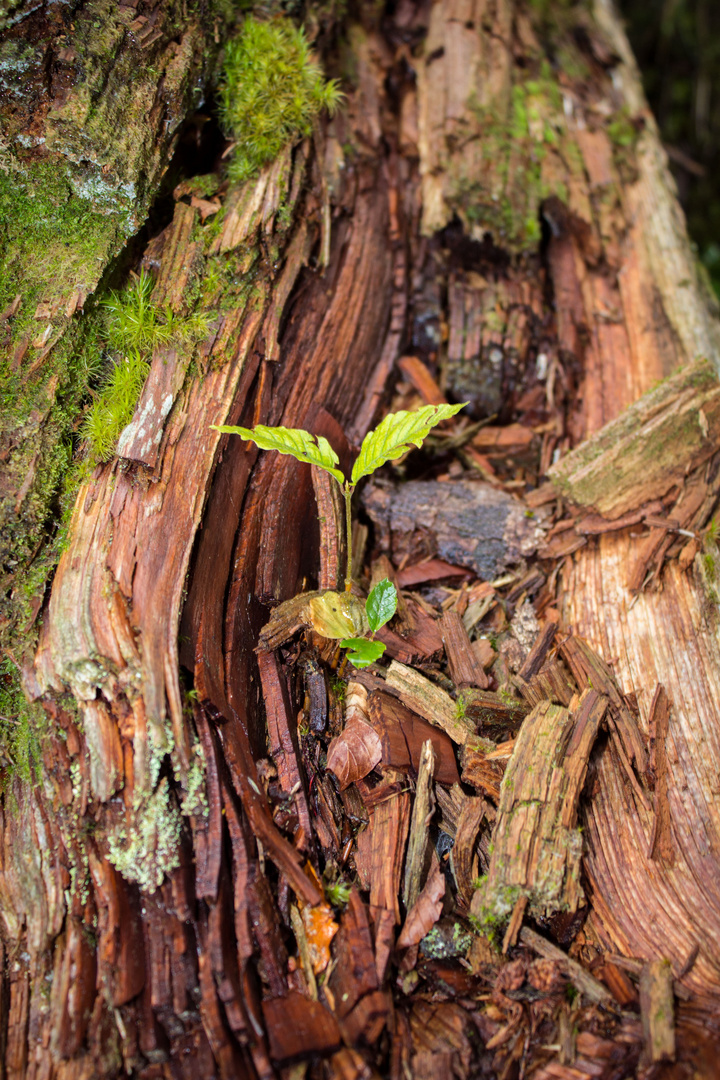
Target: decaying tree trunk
(492,199)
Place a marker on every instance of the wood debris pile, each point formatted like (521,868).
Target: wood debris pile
(437,800)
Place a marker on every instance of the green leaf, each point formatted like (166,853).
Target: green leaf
(364,652)
(381,604)
(394,436)
(293,441)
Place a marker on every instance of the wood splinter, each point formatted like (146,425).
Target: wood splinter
(657,1009)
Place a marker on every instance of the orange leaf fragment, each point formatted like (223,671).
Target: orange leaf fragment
(320,929)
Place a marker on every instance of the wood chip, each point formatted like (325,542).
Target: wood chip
(465,668)
(657,1008)
(586,983)
(429,701)
(536,847)
(402,735)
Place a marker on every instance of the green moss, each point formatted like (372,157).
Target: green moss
(52,241)
(132,327)
(113,408)
(133,321)
(271,91)
(505,194)
(22,726)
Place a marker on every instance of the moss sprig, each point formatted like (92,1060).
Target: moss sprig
(132,327)
(271,91)
(133,321)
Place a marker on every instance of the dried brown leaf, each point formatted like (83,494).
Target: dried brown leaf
(426,910)
(354,753)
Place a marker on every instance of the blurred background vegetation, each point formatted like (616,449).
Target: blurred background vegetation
(677,45)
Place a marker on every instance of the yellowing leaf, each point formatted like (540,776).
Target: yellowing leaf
(293,441)
(396,434)
(337,615)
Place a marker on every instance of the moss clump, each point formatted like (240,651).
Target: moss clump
(113,408)
(21,726)
(132,327)
(271,91)
(133,321)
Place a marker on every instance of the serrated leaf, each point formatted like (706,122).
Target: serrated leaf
(381,604)
(364,652)
(396,434)
(296,442)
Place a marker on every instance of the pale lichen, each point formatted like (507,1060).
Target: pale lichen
(149,848)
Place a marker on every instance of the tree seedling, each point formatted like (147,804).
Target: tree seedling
(338,615)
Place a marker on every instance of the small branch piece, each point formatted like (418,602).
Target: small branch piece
(419,834)
(658,1010)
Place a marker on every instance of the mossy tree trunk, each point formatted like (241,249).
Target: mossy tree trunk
(493,192)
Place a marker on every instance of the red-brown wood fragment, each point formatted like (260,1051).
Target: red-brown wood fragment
(298,1027)
(418,375)
(267,932)
(364,1024)
(465,668)
(426,910)
(207,829)
(402,734)
(282,742)
(380,852)
(421,642)
(661,844)
(536,656)
(354,973)
(428,570)
(471,817)
(485,776)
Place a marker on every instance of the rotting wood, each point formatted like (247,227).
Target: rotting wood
(536,846)
(649,449)
(590,246)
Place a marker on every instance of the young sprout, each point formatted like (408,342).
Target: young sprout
(335,615)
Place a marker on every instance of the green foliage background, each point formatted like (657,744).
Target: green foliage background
(677,45)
